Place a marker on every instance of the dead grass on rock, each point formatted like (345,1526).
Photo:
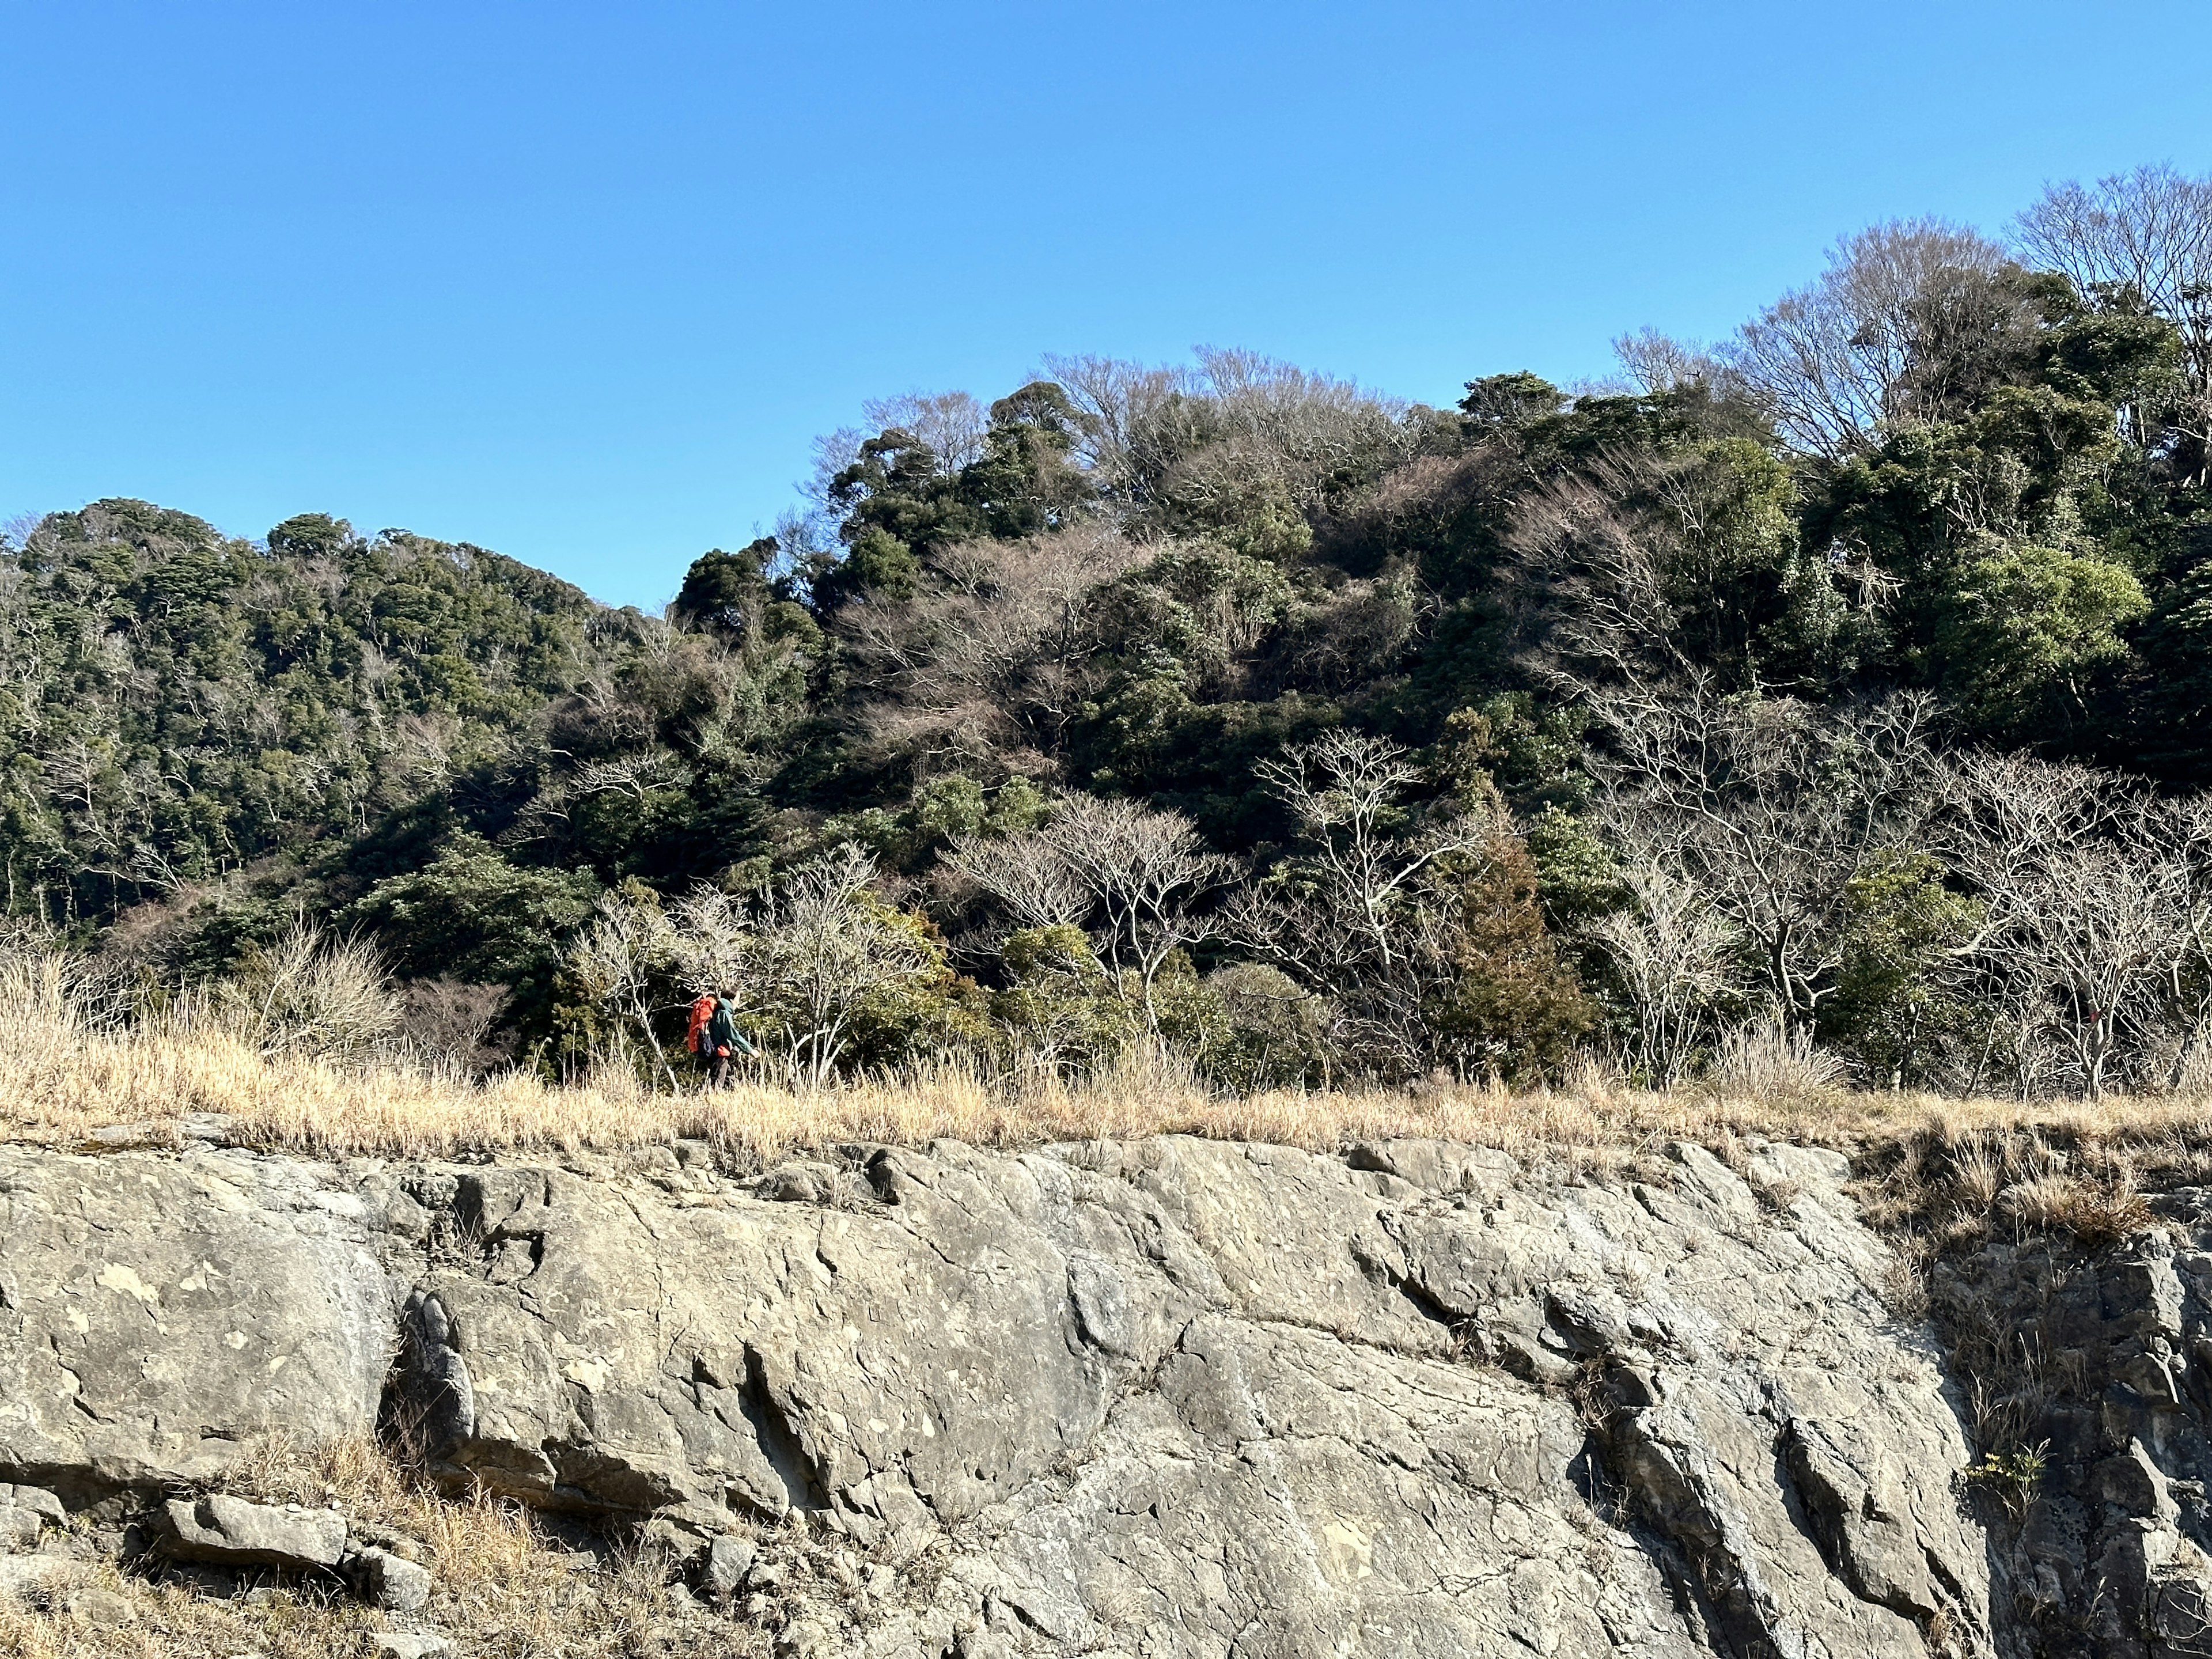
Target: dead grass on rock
(63,1082)
(504,1587)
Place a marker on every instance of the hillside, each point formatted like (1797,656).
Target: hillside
(1844,689)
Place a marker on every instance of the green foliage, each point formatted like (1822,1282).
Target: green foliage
(940,811)
(1060,1009)
(470,913)
(2008,543)
(1530,753)
(1891,1010)
(181,705)
(2013,1477)
(1577,876)
(1510,1007)
(1253,1027)
(2024,626)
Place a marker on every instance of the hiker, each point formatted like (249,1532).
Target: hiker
(723,1041)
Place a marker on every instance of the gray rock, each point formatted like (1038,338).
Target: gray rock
(33,1576)
(103,1609)
(24,1512)
(164,1308)
(36,1500)
(399,1644)
(229,1531)
(728,1561)
(386,1580)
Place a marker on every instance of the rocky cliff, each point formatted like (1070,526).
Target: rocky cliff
(1164,1398)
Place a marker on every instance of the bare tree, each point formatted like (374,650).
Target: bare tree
(1632,571)
(954,424)
(2144,237)
(1238,422)
(1306,428)
(1345,789)
(1357,919)
(1136,877)
(807,958)
(1673,951)
(1768,807)
(1596,567)
(2095,894)
(1656,363)
(1125,409)
(824,947)
(1149,871)
(620,964)
(1834,363)
(1027,874)
(995,660)
(713,942)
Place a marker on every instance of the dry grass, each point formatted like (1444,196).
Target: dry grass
(60,1083)
(2067,1163)
(504,1590)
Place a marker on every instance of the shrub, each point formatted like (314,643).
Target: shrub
(1268,1034)
(1768,1061)
(1060,1010)
(309,994)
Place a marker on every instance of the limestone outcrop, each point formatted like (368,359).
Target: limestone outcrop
(1160,1398)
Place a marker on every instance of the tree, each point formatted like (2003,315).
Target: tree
(1135,876)
(1674,953)
(830,956)
(1650,571)
(1903,988)
(1362,915)
(2095,896)
(2027,624)
(2145,238)
(989,660)
(1656,362)
(1507,1006)
(621,968)
(470,912)
(1886,334)
(1767,809)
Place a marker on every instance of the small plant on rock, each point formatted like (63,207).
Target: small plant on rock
(2012,1477)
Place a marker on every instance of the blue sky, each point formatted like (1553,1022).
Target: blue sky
(581,282)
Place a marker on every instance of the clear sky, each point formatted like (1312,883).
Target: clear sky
(581,282)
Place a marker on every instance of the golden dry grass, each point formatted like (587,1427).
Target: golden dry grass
(63,1082)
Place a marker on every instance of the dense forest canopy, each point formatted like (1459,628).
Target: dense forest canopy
(1848,680)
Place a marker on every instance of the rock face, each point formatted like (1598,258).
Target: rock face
(2097,1364)
(1164,1398)
(156,1313)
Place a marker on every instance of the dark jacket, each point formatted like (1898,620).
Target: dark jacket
(722,1030)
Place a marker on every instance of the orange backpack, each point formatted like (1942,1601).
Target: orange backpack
(702,1010)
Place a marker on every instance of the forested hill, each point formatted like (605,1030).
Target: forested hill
(1948,502)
